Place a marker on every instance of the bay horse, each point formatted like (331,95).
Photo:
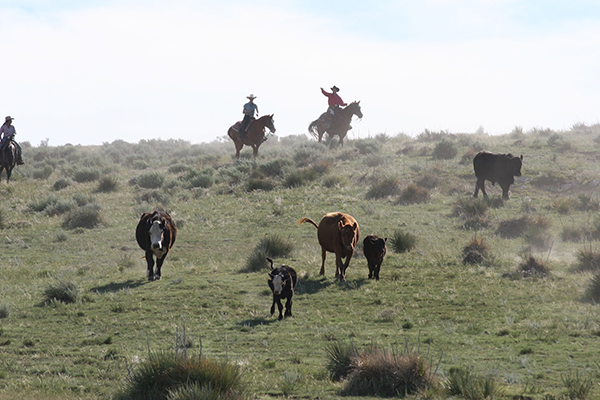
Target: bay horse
(8,159)
(340,124)
(255,134)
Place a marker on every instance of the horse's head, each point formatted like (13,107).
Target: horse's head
(269,122)
(356,109)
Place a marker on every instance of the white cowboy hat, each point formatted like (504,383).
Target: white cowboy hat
(251,97)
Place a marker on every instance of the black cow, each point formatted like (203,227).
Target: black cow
(501,168)
(374,249)
(155,234)
(282,281)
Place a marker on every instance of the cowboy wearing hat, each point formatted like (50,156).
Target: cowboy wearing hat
(334,101)
(8,132)
(249,110)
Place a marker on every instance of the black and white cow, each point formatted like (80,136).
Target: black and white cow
(155,233)
(282,281)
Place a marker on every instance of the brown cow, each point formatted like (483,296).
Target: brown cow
(337,233)
(155,234)
(374,250)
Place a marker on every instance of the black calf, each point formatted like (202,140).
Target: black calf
(282,281)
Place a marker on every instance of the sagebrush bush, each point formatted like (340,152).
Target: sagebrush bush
(171,375)
(149,180)
(588,260)
(468,207)
(42,173)
(387,186)
(62,183)
(178,168)
(334,181)
(300,177)
(86,175)
(339,359)
(414,194)
(402,241)
(377,372)
(87,216)
(275,168)
(62,291)
(83,198)
(476,252)
(41,204)
(60,207)
(368,146)
(270,246)
(463,382)
(154,196)
(265,184)
(107,184)
(445,150)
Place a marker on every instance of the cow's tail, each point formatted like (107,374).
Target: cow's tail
(303,220)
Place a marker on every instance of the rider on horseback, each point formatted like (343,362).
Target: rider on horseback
(334,101)
(249,109)
(8,132)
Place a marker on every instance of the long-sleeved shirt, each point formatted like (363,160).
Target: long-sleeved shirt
(8,131)
(333,99)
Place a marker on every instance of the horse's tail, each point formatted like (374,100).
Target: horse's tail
(312,129)
(305,219)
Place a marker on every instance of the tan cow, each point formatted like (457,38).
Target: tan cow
(337,233)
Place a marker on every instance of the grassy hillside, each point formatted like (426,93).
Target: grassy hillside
(524,313)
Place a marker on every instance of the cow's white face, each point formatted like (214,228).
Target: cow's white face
(278,284)
(156,235)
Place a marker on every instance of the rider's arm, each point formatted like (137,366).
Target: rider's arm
(325,93)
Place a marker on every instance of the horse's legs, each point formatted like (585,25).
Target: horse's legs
(238,148)
(255,150)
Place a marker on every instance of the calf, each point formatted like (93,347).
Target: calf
(155,233)
(501,168)
(374,249)
(282,281)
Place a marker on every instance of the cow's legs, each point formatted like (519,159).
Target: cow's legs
(480,185)
(344,266)
(505,191)
(159,263)
(323,256)
(273,305)
(339,272)
(280,308)
(371,271)
(288,306)
(150,261)
(377,268)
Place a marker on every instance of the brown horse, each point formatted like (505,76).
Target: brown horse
(8,159)
(340,124)
(255,134)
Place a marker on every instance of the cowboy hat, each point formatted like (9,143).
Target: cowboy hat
(335,89)
(251,97)
(9,118)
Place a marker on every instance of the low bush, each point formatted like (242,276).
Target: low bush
(4,311)
(588,260)
(83,198)
(172,375)
(86,175)
(87,216)
(468,207)
(334,181)
(60,207)
(414,194)
(148,180)
(270,246)
(265,184)
(154,196)
(387,186)
(593,289)
(42,173)
(108,184)
(339,359)
(476,252)
(300,177)
(368,146)
(445,150)
(463,382)
(61,291)
(62,183)
(530,267)
(41,204)
(402,241)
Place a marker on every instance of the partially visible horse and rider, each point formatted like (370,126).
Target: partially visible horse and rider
(250,131)
(10,151)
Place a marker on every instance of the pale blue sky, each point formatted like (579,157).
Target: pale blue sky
(96,71)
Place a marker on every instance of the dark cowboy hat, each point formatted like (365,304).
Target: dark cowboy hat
(335,89)
(9,118)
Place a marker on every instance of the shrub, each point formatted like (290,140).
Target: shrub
(587,203)
(532,267)
(62,183)
(4,311)
(87,216)
(593,289)
(60,207)
(275,168)
(444,150)
(172,375)
(377,372)
(476,252)
(43,173)
(368,146)
(429,179)
(260,184)
(41,205)
(82,199)
(178,168)
(86,175)
(588,260)
(154,196)
(524,225)
(561,205)
(300,177)
(269,246)
(578,385)
(465,383)
(389,186)
(402,241)
(108,184)
(62,291)
(334,181)
(339,359)
(148,180)
(414,194)
(468,207)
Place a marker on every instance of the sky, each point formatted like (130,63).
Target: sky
(96,71)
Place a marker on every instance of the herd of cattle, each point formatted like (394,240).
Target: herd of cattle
(337,233)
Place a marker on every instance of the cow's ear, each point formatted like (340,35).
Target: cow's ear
(385,239)
(521,157)
(270,277)
(355,225)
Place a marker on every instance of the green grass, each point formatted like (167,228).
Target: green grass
(532,336)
